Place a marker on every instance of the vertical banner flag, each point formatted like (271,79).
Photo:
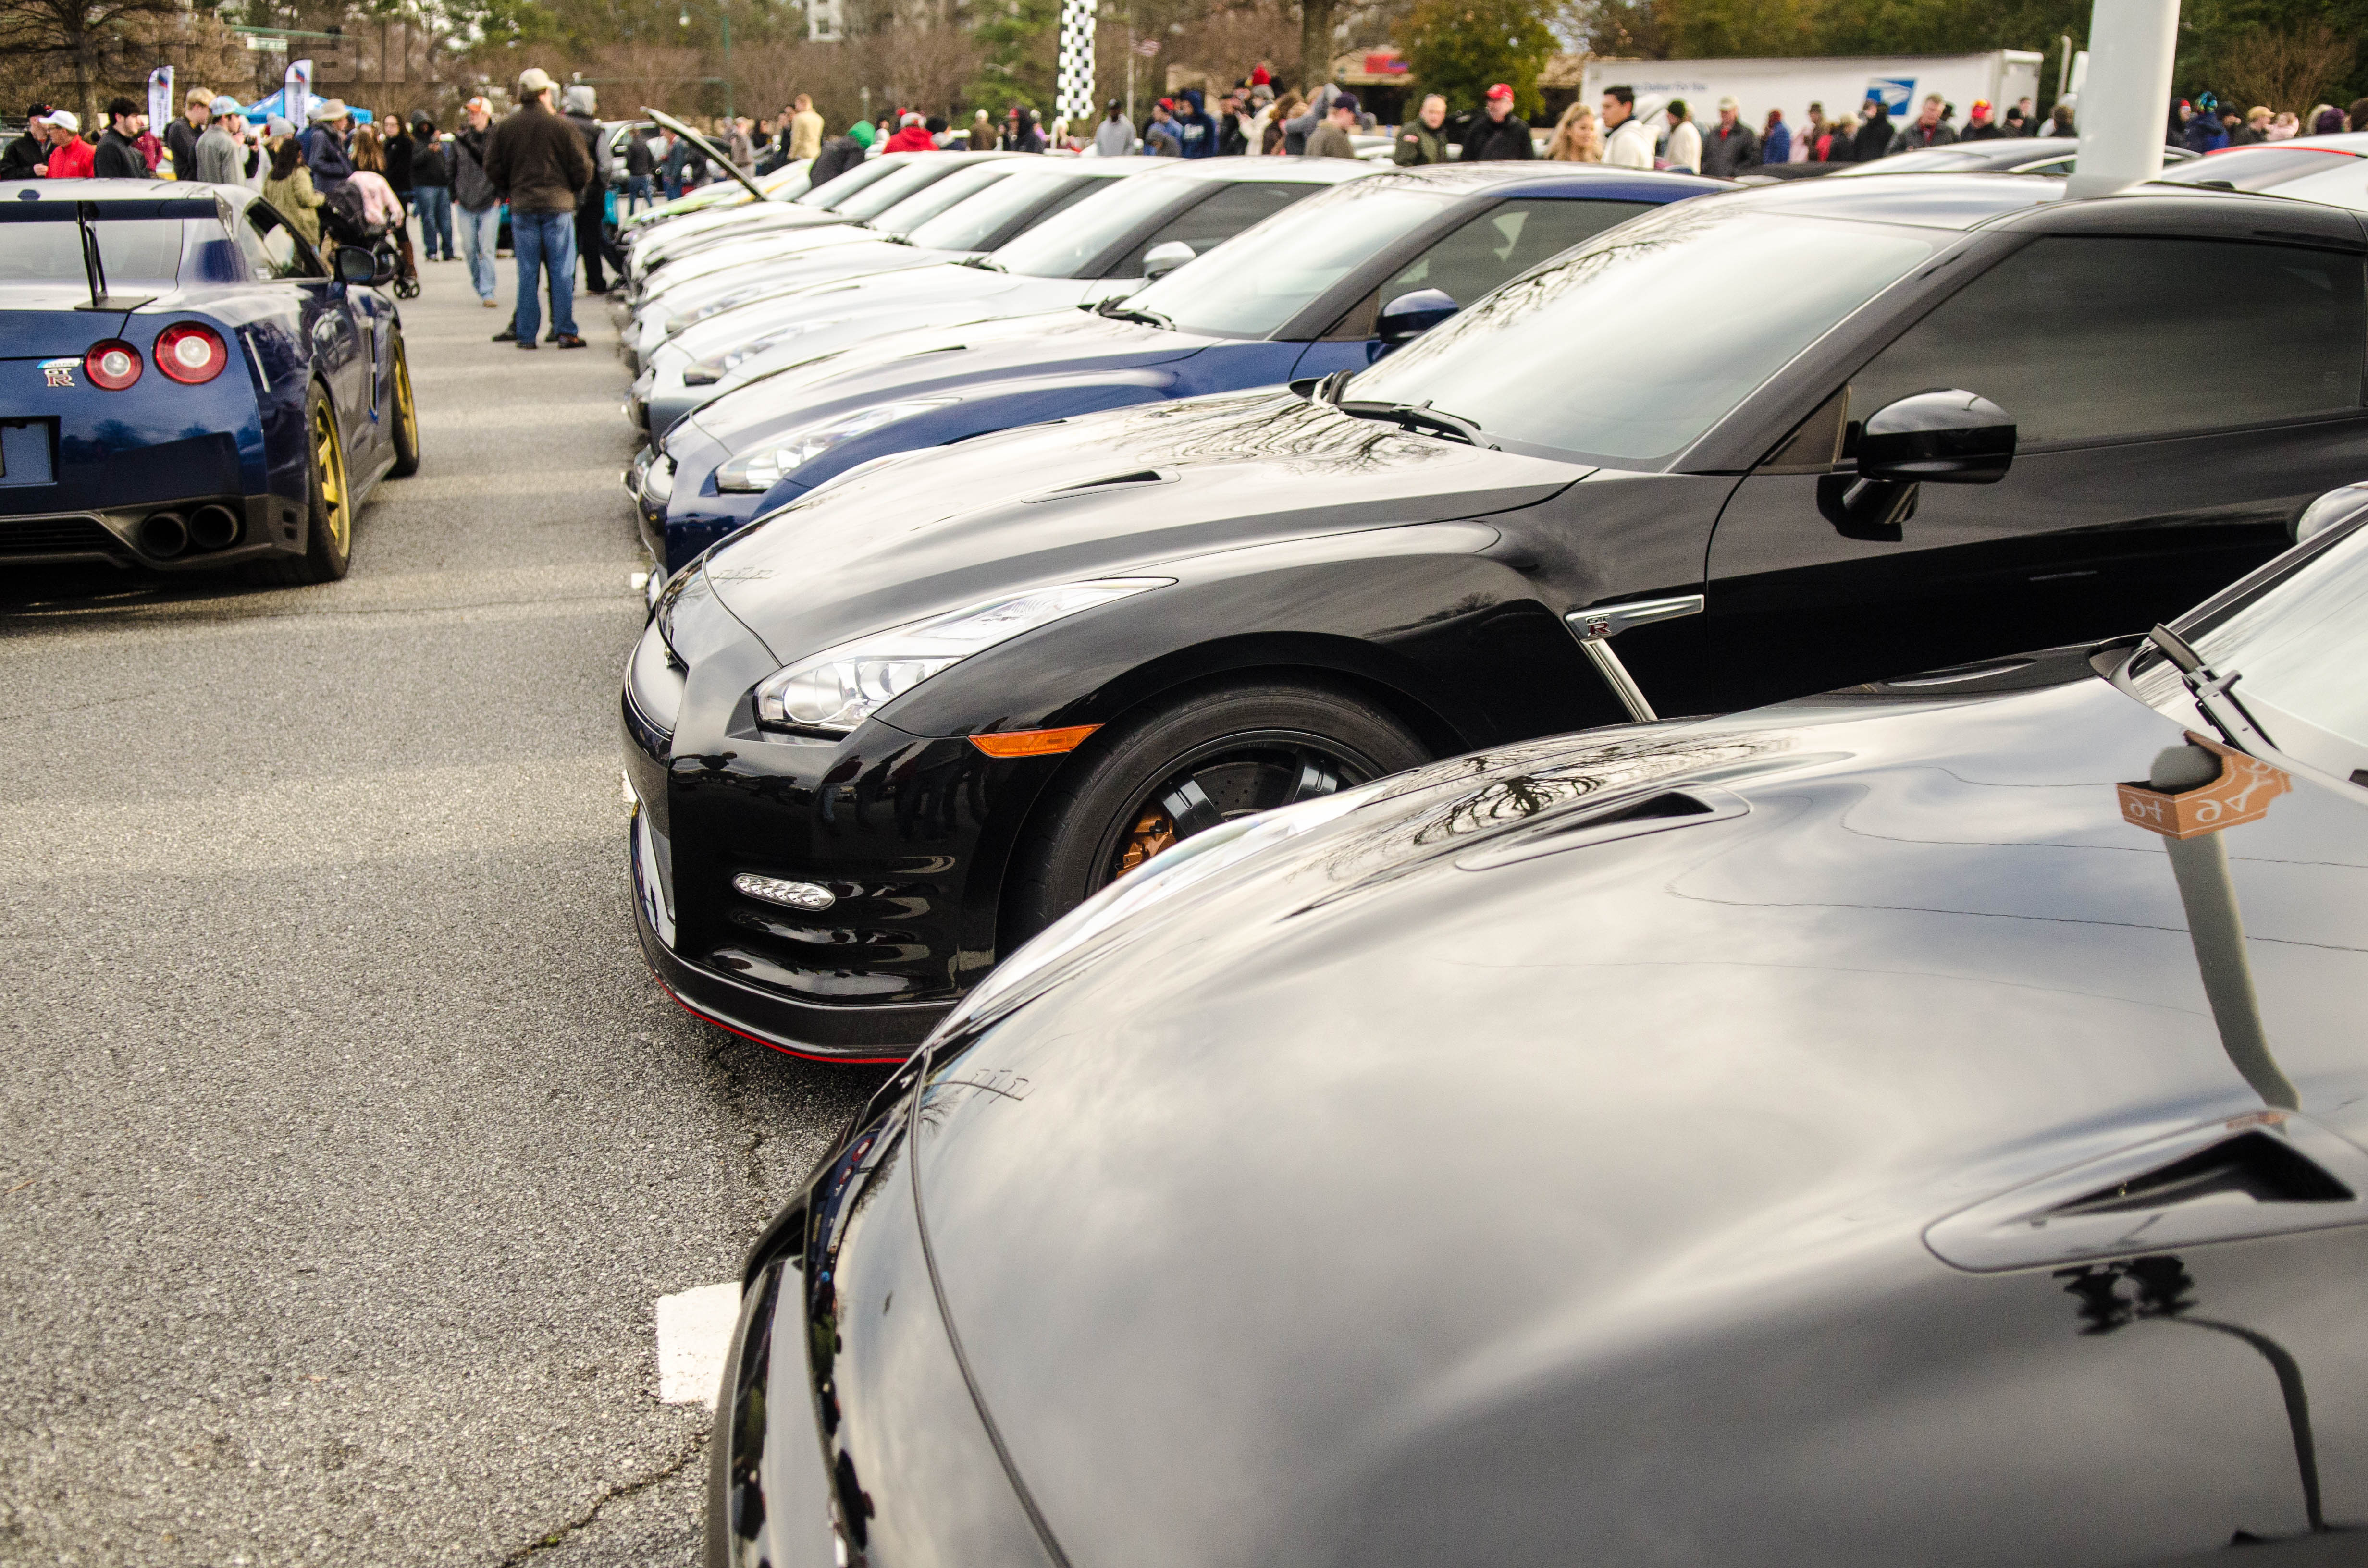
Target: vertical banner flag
(296,92)
(160,104)
(1074,96)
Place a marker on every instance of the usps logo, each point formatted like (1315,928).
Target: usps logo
(58,372)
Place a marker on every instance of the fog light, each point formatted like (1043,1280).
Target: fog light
(779,890)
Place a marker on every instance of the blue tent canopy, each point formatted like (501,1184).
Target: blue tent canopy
(264,108)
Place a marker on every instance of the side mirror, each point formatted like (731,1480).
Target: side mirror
(356,264)
(1161,260)
(1937,437)
(1408,316)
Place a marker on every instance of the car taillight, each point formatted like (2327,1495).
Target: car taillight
(112,365)
(191,354)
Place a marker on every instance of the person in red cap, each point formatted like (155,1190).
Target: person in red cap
(1979,127)
(1499,135)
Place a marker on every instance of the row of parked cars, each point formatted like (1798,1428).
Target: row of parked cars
(1563,863)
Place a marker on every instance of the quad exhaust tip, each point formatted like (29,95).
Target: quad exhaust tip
(213,527)
(164,535)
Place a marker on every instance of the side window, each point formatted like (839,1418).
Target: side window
(1224,214)
(272,247)
(1486,250)
(2100,339)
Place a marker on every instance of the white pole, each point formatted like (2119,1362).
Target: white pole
(2126,101)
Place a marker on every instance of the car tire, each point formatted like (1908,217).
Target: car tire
(1244,746)
(406,414)
(329,521)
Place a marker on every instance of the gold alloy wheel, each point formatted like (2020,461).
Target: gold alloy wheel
(406,414)
(329,464)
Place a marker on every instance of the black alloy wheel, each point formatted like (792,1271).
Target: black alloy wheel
(1181,769)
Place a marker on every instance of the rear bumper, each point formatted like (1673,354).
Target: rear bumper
(268,526)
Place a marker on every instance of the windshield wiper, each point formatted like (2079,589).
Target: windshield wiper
(1422,417)
(2209,687)
(1117,311)
(983,261)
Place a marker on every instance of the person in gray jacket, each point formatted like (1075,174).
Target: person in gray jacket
(221,158)
(1114,137)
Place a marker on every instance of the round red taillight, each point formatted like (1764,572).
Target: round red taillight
(191,354)
(112,365)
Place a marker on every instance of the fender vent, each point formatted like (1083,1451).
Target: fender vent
(2251,1166)
(1107,481)
(2265,1174)
(1654,811)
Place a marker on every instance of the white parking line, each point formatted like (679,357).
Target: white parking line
(694,1333)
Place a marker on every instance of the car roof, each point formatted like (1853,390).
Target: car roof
(1937,200)
(1286,171)
(1558,179)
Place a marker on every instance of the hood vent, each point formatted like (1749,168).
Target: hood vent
(1601,822)
(2270,1173)
(1107,481)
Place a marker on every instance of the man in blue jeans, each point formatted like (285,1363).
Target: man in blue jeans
(537,161)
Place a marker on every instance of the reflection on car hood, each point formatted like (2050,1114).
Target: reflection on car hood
(928,292)
(940,528)
(903,364)
(1371,1204)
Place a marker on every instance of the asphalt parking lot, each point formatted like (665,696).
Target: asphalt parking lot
(345,1146)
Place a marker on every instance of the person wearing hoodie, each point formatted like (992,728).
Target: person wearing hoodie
(582,107)
(1874,132)
(1160,137)
(912,136)
(1194,129)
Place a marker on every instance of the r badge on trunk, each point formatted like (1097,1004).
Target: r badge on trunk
(58,372)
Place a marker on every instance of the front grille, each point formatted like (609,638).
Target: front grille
(56,536)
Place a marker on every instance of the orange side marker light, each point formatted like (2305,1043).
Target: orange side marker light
(1035,743)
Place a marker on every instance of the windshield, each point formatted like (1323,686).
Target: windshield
(144,250)
(785,184)
(2296,645)
(931,199)
(1065,245)
(862,176)
(1257,280)
(971,225)
(2258,168)
(1629,347)
(898,185)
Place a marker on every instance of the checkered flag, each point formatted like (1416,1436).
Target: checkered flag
(1075,94)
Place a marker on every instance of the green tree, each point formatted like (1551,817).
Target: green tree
(1460,48)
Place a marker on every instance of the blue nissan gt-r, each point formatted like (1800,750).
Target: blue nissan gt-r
(1330,283)
(187,383)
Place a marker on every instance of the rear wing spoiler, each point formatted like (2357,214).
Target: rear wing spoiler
(31,208)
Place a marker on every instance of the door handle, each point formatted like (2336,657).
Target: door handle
(1597,625)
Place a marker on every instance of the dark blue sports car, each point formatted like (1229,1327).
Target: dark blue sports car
(187,382)
(1330,283)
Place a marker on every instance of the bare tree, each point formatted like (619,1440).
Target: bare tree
(2283,69)
(80,42)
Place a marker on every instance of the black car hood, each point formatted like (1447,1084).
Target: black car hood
(1118,492)
(1371,1203)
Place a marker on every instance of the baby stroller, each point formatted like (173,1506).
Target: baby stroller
(347,220)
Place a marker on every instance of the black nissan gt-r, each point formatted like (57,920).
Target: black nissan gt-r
(1750,445)
(1918,1125)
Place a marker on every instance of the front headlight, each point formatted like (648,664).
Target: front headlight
(839,688)
(762,469)
(715,367)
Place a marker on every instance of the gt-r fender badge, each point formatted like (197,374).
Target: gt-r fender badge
(58,372)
